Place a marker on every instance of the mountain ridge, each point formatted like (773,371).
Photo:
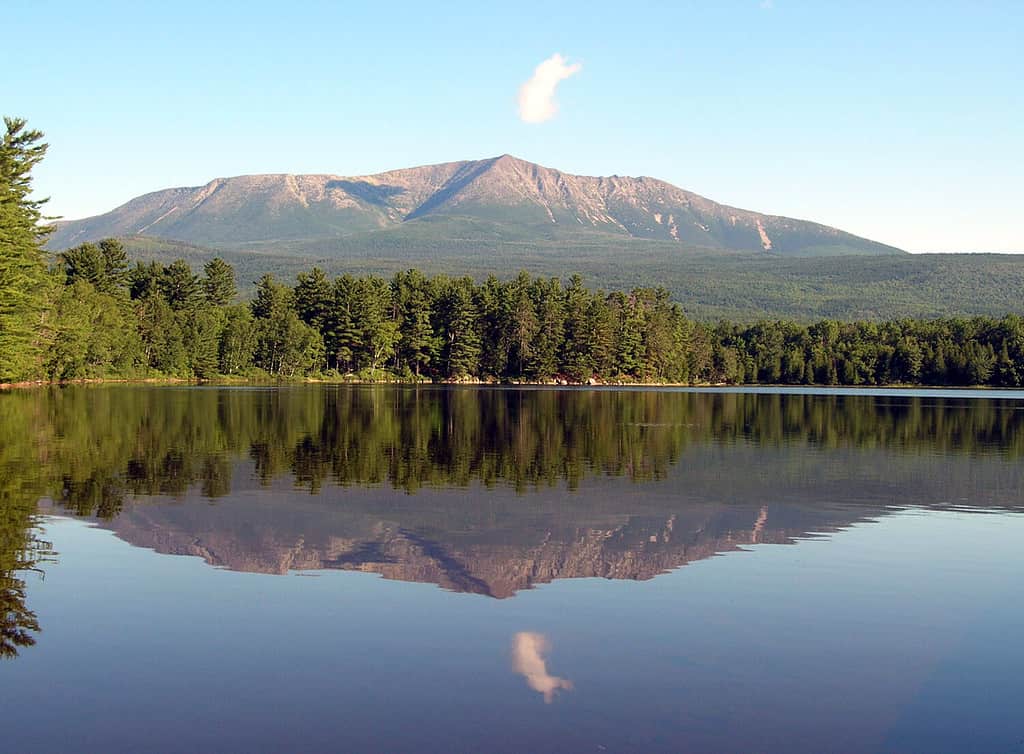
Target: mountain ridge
(496,196)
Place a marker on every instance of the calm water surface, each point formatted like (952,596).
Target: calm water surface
(400,569)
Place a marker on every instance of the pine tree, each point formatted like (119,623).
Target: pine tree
(373,311)
(201,331)
(461,353)
(600,333)
(576,359)
(115,266)
(343,333)
(23,278)
(523,325)
(83,262)
(495,322)
(413,298)
(144,280)
(313,298)
(629,341)
(218,282)
(103,265)
(1006,372)
(548,302)
(179,286)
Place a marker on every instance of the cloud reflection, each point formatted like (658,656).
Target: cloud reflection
(528,650)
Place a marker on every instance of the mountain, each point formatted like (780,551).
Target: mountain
(456,205)
(496,558)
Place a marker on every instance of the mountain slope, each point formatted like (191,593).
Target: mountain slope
(466,201)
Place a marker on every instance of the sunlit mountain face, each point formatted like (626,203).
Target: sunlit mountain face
(477,200)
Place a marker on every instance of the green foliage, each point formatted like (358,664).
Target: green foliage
(144,279)
(415,297)
(219,282)
(103,265)
(412,326)
(238,340)
(710,285)
(285,345)
(162,340)
(459,322)
(202,332)
(23,280)
(179,286)
(95,335)
(374,315)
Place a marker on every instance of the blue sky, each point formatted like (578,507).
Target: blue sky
(903,122)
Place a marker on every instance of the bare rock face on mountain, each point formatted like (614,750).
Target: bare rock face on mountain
(498,197)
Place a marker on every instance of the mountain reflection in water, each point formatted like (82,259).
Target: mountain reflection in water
(486,491)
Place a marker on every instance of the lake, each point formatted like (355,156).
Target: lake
(442,569)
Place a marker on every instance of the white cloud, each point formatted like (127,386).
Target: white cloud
(537,96)
(767,4)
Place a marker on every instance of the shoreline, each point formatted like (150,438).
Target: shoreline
(559,383)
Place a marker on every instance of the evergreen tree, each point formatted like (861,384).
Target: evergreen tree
(600,335)
(548,302)
(104,266)
(144,279)
(201,331)
(179,286)
(495,321)
(83,262)
(285,345)
(313,298)
(414,300)
(115,261)
(373,311)
(630,349)
(218,283)
(1006,371)
(460,325)
(23,279)
(343,333)
(522,325)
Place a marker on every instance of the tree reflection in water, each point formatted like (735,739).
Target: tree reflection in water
(103,450)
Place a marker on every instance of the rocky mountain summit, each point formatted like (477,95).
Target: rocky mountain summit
(501,197)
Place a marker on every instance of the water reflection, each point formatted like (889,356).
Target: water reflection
(22,553)
(479,491)
(529,650)
(490,543)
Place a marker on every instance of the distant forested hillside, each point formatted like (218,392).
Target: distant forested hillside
(709,286)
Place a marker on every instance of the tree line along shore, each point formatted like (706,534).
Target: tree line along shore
(101,318)
(88,314)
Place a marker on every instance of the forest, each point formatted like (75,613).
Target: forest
(103,318)
(88,313)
